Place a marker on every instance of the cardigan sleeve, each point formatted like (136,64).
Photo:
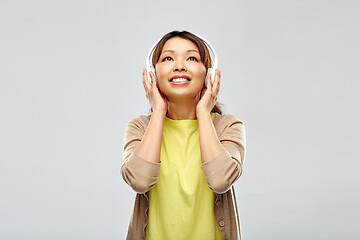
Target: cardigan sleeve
(138,173)
(222,171)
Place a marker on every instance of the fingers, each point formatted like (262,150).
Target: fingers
(208,81)
(146,82)
(216,85)
(153,79)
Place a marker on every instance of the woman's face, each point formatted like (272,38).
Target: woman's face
(179,71)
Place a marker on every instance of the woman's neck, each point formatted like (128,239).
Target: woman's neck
(182,110)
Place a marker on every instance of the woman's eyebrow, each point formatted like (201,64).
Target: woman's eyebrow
(190,50)
(167,51)
(193,50)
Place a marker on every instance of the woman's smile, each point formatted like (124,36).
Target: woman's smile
(180,80)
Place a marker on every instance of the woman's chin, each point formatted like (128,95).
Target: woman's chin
(182,97)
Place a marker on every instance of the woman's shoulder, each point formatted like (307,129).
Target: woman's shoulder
(228,126)
(140,121)
(226,119)
(142,118)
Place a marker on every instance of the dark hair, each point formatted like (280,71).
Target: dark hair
(203,50)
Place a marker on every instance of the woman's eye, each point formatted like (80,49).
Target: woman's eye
(167,59)
(193,59)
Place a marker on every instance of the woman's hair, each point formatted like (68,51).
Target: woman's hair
(203,50)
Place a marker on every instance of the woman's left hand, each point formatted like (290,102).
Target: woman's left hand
(209,94)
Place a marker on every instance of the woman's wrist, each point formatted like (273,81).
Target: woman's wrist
(202,113)
(159,112)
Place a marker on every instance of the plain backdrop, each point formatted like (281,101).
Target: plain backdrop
(70,75)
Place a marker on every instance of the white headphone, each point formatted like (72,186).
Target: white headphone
(214,60)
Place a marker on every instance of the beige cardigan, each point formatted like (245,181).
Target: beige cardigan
(220,173)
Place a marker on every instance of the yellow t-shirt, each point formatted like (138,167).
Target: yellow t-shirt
(181,202)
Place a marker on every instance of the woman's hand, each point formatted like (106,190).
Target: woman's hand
(157,99)
(209,94)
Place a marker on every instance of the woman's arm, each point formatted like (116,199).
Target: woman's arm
(224,169)
(140,170)
(150,146)
(210,145)
(221,158)
(142,144)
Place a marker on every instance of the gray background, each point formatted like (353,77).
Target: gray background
(70,76)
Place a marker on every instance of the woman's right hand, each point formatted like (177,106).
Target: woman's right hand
(157,99)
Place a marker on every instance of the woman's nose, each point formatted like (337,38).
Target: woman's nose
(179,66)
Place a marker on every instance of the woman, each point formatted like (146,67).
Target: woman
(184,157)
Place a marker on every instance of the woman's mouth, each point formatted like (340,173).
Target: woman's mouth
(180,80)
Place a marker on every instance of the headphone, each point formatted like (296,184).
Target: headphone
(213,56)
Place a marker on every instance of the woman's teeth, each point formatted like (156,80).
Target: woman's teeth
(179,80)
